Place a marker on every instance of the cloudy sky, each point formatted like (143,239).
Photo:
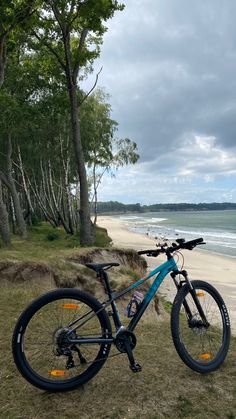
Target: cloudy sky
(170,68)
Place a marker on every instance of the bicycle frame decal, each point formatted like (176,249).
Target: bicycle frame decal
(161,272)
(163,269)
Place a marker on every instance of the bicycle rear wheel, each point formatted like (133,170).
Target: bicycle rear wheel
(203,347)
(39,348)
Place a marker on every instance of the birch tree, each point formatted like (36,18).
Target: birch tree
(72,31)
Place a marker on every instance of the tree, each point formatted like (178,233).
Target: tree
(72,32)
(12,14)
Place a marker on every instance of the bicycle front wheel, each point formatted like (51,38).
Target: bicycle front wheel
(201,345)
(41,350)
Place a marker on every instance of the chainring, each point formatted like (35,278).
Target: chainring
(122,337)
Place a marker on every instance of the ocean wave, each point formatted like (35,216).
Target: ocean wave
(223,235)
(146,223)
(219,239)
(129,217)
(158,219)
(232,245)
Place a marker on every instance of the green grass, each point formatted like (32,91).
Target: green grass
(167,305)
(165,388)
(39,245)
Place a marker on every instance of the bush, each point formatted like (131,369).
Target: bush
(52,236)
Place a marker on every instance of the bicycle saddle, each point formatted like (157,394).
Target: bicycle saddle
(97,267)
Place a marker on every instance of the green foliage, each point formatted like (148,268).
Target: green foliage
(51,46)
(13,12)
(167,305)
(97,129)
(52,236)
(114,206)
(126,152)
(69,21)
(102,238)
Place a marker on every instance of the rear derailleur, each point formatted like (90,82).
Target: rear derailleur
(63,348)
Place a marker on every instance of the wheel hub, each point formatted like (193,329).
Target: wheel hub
(60,340)
(197,325)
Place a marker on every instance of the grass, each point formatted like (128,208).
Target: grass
(44,242)
(167,305)
(165,388)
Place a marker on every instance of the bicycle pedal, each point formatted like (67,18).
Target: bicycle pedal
(135,367)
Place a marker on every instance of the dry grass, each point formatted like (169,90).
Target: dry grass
(165,388)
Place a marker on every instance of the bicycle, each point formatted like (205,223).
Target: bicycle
(64,337)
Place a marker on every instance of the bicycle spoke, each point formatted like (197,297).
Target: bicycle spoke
(51,357)
(199,343)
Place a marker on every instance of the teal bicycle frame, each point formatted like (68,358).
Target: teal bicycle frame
(161,271)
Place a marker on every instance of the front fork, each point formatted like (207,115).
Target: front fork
(192,292)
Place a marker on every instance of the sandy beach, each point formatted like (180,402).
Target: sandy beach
(220,271)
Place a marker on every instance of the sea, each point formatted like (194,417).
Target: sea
(218,228)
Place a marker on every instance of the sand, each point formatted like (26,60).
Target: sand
(218,270)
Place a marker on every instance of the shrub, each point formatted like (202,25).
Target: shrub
(52,236)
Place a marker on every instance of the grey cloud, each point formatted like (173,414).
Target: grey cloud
(170,67)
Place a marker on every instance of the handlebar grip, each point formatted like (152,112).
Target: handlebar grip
(143,252)
(192,243)
(151,252)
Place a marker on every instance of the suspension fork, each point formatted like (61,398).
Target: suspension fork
(193,294)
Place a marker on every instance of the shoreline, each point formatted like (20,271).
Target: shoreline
(219,270)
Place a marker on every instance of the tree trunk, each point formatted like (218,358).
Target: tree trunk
(15,197)
(26,189)
(66,167)
(2,58)
(87,237)
(95,195)
(4,224)
(11,212)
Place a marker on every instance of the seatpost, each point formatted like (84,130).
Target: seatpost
(105,278)
(108,290)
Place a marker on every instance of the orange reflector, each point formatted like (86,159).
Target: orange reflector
(205,357)
(71,306)
(200,294)
(56,373)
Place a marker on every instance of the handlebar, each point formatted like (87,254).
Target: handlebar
(192,243)
(182,244)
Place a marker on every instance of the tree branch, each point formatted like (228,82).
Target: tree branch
(90,91)
(51,49)
(79,50)
(57,15)
(79,5)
